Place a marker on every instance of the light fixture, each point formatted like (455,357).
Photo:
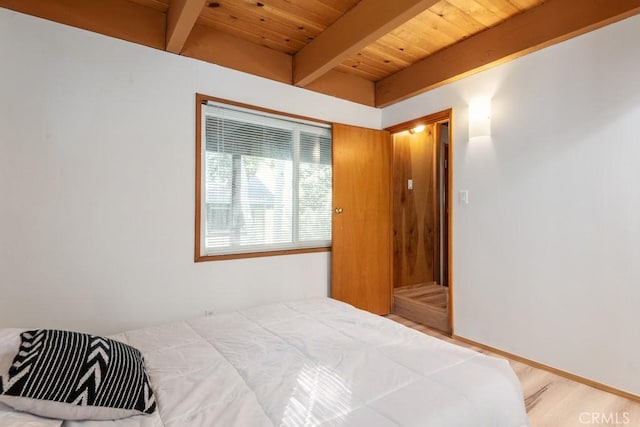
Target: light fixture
(480,117)
(417,129)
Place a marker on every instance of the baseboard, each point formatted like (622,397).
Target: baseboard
(553,370)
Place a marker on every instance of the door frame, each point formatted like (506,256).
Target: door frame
(435,119)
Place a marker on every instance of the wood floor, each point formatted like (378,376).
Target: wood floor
(554,401)
(425,303)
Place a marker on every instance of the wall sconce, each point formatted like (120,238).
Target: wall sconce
(417,129)
(480,117)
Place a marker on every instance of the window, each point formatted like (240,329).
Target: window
(265,182)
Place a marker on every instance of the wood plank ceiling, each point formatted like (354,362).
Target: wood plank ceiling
(375,52)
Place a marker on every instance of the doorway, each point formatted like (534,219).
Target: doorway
(421,199)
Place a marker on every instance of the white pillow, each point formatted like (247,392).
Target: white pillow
(73,376)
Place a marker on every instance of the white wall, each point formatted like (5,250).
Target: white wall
(547,252)
(97,162)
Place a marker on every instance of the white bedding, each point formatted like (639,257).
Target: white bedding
(312,363)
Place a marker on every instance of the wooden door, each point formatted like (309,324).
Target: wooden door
(361,249)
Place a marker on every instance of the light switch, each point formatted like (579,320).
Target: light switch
(410,184)
(463,197)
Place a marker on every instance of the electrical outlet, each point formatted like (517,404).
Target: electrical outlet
(208,312)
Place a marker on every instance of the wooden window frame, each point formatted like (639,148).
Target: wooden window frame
(198,257)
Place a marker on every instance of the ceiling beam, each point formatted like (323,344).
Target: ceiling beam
(216,47)
(346,86)
(363,24)
(552,22)
(121,19)
(181,17)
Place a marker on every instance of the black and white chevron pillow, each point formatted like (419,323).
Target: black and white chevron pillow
(74,376)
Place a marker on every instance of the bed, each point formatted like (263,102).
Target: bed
(316,362)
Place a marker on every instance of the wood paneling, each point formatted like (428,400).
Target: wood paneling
(365,23)
(416,226)
(553,21)
(437,120)
(443,24)
(361,249)
(116,18)
(364,39)
(281,25)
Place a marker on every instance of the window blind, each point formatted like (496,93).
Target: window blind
(266,182)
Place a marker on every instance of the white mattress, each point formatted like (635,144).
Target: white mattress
(312,363)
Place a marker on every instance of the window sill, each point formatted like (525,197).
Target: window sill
(205,258)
